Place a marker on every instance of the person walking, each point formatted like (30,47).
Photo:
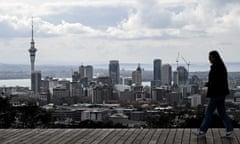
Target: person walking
(217,91)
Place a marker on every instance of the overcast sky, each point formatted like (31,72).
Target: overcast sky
(131,31)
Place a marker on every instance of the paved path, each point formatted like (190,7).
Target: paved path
(114,136)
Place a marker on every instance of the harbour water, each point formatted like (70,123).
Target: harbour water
(15,82)
(66,71)
(19,82)
(27,83)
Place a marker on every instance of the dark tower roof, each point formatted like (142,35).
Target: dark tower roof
(138,68)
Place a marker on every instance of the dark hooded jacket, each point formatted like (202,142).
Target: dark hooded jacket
(217,81)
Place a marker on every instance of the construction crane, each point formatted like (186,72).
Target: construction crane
(187,62)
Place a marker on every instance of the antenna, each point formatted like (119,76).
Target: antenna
(177,59)
(32,29)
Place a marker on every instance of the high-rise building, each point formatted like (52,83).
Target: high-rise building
(157,65)
(175,78)
(44,92)
(166,74)
(36,81)
(75,77)
(89,72)
(86,72)
(76,91)
(32,51)
(114,71)
(182,75)
(104,79)
(138,92)
(102,94)
(137,76)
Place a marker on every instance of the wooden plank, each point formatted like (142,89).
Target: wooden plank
(103,135)
(237,134)
(40,135)
(69,136)
(202,140)
(2,138)
(28,137)
(193,138)
(225,140)
(46,136)
(179,136)
(163,137)
(186,136)
(88,136)
(133,136)
(171,136)
(110,136)
(66,134)
(98,134)
(209,137)
(118,136)
(127,134)
(216,136)
(148,136)
(60,133)
(8,133)
(155,136)
(80,133)
(140,136)
(14,139)
(12,134)
(91,136)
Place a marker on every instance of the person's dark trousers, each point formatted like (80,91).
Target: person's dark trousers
(219,103)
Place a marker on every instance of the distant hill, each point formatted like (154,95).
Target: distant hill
(21,71)
(14,71)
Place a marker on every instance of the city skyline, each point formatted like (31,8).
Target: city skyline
(83,32)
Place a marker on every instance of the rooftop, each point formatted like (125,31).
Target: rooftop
(114,136)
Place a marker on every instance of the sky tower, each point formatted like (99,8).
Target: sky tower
(35,75)
(32,51)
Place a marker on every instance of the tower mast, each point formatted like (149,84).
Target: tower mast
(32,51)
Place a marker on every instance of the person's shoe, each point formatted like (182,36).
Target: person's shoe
(200,133)
(229,134)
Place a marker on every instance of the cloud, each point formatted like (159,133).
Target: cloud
(52,19)
(11,26)
(95,17)
(142,19)
(136,30)
(66,28)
